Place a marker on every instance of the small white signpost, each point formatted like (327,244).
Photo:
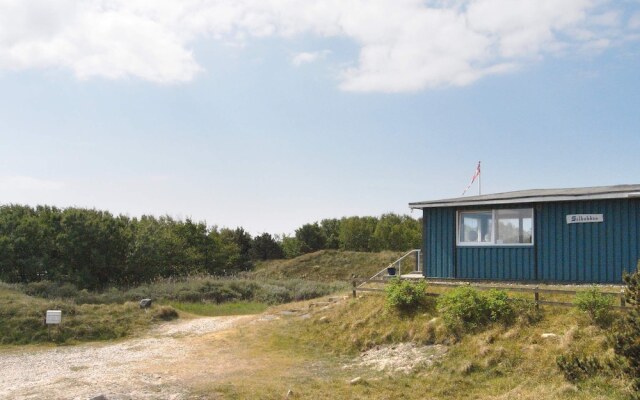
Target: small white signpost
(584,218)
(54,317)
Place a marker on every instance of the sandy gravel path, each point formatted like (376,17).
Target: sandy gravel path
(130,369)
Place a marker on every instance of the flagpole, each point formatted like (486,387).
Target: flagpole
(479,180)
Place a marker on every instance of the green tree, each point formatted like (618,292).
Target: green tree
(93,247)
(395,232)
(290,246)
(241,261)
(356,233)
(26,245)
(265,247)
(331,231)
(310,237)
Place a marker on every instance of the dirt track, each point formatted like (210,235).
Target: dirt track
(142,368)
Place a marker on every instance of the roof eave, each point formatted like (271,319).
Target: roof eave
(534,199)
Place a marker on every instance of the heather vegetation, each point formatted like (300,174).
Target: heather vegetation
(511,350)
(22,319)
(94,249)
(114,313)
(195,289)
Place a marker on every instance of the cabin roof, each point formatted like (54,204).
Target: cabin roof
(537,196)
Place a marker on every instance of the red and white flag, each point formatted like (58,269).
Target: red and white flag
(476,175)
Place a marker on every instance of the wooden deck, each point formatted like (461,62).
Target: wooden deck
(412,275)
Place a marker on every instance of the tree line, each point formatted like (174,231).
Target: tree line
(94,249)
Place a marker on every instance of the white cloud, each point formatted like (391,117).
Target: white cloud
(634,21)
(405,45)
(14,183)
(308,57)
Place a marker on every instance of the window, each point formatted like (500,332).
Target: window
(476,227)
(514,226)
(496,227)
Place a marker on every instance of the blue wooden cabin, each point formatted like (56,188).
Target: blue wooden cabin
(580,235)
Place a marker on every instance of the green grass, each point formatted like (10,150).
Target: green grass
(193,289)
(215,310)
(22,319)
(328,265)
(497,362)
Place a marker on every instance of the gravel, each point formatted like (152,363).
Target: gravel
(116,370)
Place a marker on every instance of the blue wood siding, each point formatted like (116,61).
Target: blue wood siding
(579,253)
(439,242)
(496,263)
(590,252)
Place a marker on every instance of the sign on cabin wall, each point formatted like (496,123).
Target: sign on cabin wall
(584,218)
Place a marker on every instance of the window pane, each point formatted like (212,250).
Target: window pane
(476,227)
(514,226)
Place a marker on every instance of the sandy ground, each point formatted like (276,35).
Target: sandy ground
(403,357)
(143,368)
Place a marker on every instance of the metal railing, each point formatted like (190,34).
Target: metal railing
(397,265)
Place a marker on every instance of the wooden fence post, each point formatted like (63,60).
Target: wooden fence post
(353,283)
(536,297)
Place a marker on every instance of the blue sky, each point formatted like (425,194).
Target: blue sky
(285,112)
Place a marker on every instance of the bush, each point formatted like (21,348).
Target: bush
(627,332)
(576,368)
(50,290)
(463,308)
(188,295)
(166,313)
(499,306)
(466,309)
(595,305)
(273,294)
(406,296)
(197,289)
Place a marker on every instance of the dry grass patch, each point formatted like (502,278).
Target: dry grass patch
(306,356)
(22,319)
(327,265)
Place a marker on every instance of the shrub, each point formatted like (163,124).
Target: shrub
(406,296)
(627,332)
(166,313)
(206,289)
(463,308)
(466,309)
(595,305)
(499,306)
(188,295)
(576,367)
(50,290)
(273,294)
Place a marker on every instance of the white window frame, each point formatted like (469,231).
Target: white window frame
(494,221)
